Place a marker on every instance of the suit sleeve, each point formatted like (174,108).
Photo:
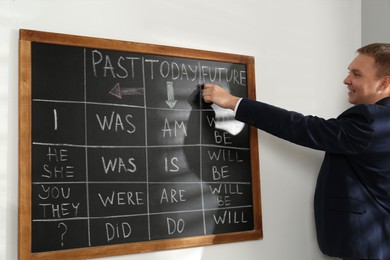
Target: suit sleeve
(350,133)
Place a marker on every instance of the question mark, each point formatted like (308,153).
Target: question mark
(63,233)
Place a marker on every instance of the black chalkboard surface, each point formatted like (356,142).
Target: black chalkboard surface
(119,150)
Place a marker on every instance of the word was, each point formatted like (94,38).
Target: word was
(116,122)
(118,165)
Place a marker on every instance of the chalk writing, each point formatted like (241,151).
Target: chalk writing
(122,230)
(119,165)
(56,166)
(175,226)
(122,67)
(122,198)
(172,196)
(59,210)
(55,119)
(62,224)
(134,155)
(116,122)
(230,217)
(173,129)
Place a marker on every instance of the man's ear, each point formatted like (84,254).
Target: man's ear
(385,85)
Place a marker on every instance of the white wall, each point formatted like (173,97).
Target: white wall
(375,21)
(302,49)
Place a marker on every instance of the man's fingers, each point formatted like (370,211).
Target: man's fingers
(206,92)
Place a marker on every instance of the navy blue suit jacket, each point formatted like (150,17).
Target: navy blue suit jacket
(352,198)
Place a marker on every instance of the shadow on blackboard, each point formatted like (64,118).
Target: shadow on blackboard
(199,108)
(220,198)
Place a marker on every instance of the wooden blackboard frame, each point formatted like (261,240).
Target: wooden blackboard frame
(25,149)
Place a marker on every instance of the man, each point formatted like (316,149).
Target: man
(352,197)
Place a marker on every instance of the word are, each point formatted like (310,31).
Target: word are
(172,196)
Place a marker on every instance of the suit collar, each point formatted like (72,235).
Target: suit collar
(384,102)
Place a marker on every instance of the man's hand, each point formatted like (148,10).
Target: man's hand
(217,95)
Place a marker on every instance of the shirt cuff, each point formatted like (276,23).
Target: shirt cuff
(236,107)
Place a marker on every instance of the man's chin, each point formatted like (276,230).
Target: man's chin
(351,99)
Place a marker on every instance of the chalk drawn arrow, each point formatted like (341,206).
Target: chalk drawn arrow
(171,102)
(119,92)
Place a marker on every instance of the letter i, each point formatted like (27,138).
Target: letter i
(117,231)
(55,119)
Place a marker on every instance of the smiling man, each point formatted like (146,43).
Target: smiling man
(352,198)
(367,81)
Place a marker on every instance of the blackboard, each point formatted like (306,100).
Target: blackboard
(119,153)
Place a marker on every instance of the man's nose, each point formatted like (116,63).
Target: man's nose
(347,80)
